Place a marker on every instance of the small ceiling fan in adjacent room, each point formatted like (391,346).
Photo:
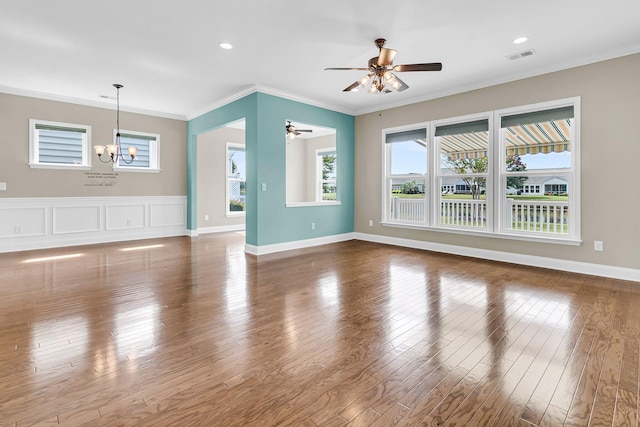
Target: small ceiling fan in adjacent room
(292,132)
(380,76)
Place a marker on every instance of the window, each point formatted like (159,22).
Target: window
(236,179)
(148,156)
(464,165)
(326,175)
(406,176)
(59,145)
(511,173)
(538,146)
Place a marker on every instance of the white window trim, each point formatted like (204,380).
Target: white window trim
(496,177)
(34,147)
(227,172)
(154,153)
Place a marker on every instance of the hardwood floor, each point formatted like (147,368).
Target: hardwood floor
(188,332)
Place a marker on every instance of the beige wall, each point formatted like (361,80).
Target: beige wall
(212,157)
(610,149)
(23,181)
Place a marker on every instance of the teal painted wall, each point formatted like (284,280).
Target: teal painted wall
(269,221)
(276,222)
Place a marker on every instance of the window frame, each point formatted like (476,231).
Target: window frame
(496,178)
(228,179)
(154,152)
(34,145)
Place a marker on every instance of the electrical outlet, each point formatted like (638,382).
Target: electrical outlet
(370,223)
(313,225)
(206,217)
(598,245)
(17,229)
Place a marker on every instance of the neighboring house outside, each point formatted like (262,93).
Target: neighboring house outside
(534,185)
(540,185)
(397,183)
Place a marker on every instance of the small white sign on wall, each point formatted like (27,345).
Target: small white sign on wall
(101,179)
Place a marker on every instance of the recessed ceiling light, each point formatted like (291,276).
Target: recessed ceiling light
(520,40)
(226,45)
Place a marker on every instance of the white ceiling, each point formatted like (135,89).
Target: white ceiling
(166,52)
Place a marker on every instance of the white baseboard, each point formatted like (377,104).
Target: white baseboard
(614,272)
(221,229)
(298,244)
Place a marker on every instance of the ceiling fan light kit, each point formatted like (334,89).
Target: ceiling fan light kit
(380,77)
(292,132)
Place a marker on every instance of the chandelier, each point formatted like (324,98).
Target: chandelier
(115,150)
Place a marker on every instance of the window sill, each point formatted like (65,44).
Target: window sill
(520,237)
(67,167)
(236,214)
(303,204)
(133,169)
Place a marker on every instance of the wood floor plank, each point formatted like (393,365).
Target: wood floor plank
(196,332)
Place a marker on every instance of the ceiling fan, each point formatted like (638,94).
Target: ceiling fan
(380,78)
(292,132)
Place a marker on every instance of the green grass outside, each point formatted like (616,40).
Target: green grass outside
(537,227)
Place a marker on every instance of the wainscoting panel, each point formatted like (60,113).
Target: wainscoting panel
(38,223)
(125,217)
(164,215)
(22,222)
(76,219)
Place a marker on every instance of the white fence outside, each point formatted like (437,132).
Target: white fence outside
(466,212)
(535,216)
(407,209)
(540,216)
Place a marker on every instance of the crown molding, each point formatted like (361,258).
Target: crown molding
(267,91)
(88,103)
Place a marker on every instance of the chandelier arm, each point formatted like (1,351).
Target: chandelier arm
(125,160)
(109,160)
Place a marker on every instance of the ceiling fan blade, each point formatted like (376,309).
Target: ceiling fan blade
(386,57)
(403,85)
(341,69)
(305,130)
(351,87)
(433,66)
